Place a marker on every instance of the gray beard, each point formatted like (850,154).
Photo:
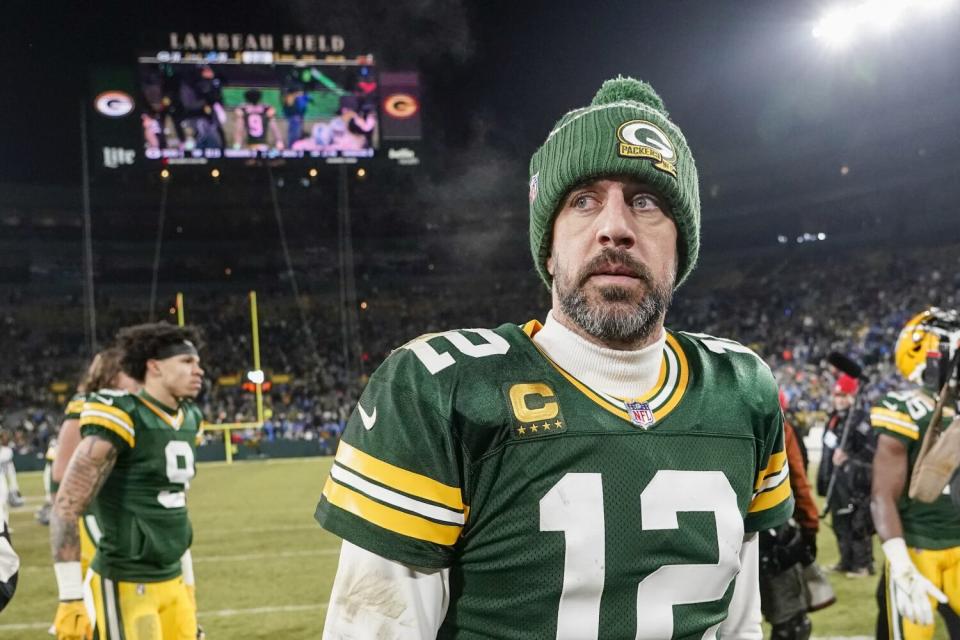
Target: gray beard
(613,318)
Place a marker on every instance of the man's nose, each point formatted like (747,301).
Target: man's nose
(613,225)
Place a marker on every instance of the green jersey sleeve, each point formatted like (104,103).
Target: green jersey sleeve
(772,502)
(74,407)
(395,487)
(891,417)
(108,416)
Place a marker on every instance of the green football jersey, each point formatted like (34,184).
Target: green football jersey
(561,511)
(71,412)
(142,507)
(905,415)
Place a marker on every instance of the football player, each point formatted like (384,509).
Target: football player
(253,119)
(596,476)
(9,471)
(134,463)
(9,561)
(921,540)
(104,373)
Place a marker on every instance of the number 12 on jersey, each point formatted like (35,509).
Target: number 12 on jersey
(574,505)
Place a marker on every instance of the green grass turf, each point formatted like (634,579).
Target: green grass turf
(264,567)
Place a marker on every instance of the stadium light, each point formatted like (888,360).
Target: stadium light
(164,174)
(836,28)
(313,173)
(215,174)
(841,25)
(256,376)
(361,173)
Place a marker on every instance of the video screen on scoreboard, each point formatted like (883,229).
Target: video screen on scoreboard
(228,109)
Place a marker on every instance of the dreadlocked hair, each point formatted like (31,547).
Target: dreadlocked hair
(143,342)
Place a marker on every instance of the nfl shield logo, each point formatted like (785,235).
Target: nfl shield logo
(640,414)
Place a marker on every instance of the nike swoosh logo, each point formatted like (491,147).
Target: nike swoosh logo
(367,420)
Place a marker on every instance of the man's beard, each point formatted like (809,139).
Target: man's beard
(613,318)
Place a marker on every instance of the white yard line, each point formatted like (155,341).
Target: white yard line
(268,555)
(280,528)
(244,557)
(290,608)
(221,613)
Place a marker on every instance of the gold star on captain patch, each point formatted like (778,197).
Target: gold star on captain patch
(521,431)
(533,428)
(545,426)
(559,424)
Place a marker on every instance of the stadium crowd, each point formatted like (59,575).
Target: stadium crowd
(792,310)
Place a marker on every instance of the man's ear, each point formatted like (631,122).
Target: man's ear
(153,366)
(550,264)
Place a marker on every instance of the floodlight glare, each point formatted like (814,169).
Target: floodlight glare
(836,28)
(256,377)
(881,15)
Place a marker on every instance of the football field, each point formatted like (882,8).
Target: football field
(264,567)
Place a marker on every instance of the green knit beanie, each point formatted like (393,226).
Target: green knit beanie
(624,131)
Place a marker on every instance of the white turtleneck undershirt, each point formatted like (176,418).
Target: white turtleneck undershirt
(621,374)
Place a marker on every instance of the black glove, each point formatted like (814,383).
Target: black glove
(809,537)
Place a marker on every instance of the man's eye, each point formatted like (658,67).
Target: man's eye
(581,201)
(645,201)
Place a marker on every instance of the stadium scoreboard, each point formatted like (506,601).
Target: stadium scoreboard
(221,97)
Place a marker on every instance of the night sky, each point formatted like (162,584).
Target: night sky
(770,113)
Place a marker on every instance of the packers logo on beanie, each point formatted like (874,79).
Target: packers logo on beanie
(624,131)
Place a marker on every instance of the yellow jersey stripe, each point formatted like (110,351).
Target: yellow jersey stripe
(174,422)
(399,479)
(913,434)
(881,412)
(388,518)
(681,387)
(774,466)
(120,414)
(74,406)
(110,425)
(771,498)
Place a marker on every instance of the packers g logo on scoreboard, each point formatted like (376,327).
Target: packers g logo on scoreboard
(114,104)
(535,409)
(401,105)
(642,139)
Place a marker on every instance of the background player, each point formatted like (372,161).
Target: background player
(527,481)
(9,561)
(921,541)
(253,120)
(103,375)
(136,458)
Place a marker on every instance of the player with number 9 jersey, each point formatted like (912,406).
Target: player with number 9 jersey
(142,507)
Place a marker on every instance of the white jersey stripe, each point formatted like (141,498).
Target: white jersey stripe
(774,481)
(110,605)
(395,499)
